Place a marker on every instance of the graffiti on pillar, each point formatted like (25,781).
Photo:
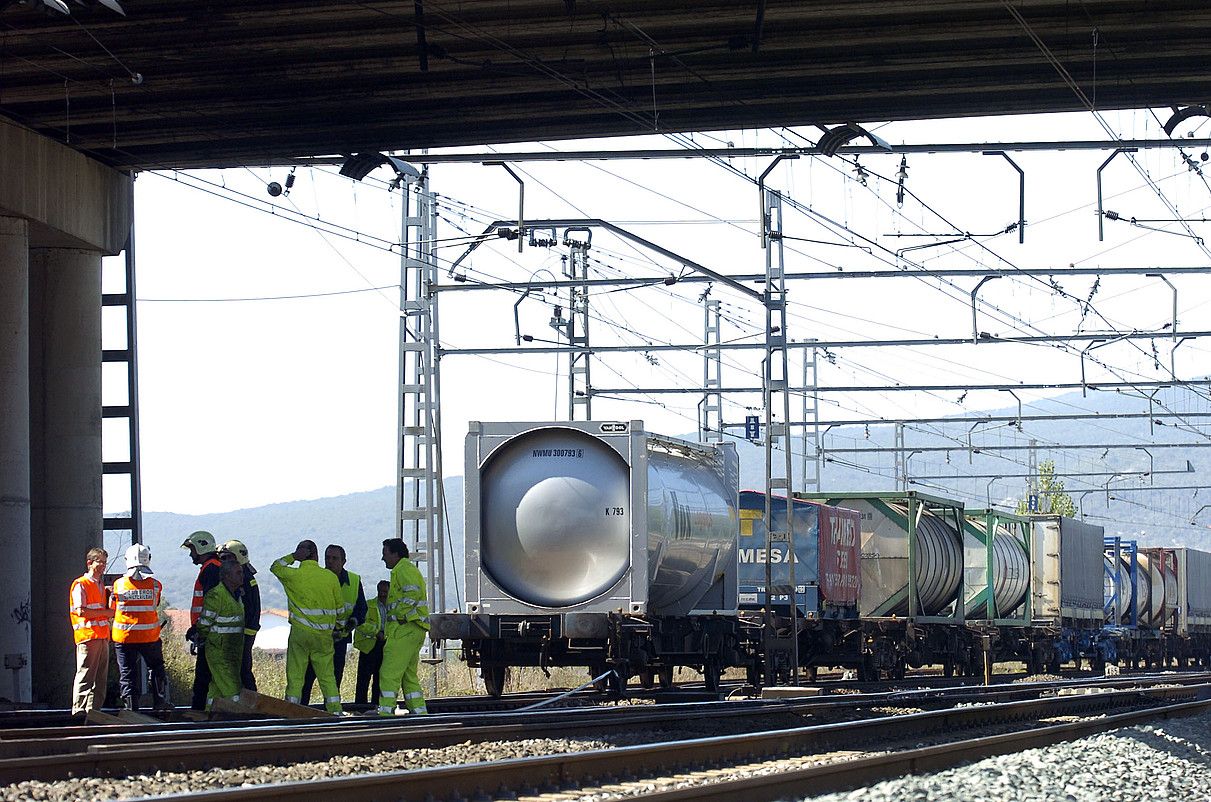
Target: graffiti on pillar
(21,613)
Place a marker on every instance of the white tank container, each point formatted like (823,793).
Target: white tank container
(598,517)
(1010,571)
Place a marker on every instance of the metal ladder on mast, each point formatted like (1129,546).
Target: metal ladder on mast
(781,651)
(580,388)
(811,454)
(126,356)
(419,497)
(710,414)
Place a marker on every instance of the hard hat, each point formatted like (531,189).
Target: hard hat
(138,555)
(202,542)
(238,549)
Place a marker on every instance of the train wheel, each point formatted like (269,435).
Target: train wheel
(494,679)
(812,673)
(948,669)
(647,679)
(617,683)
(710,676)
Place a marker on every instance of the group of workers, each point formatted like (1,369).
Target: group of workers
(327,611)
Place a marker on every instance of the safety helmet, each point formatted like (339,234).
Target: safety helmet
(202,542)
(138,555)
(238,549)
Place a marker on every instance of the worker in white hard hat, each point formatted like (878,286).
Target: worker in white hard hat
(136,630)
(201,548)
(251,596)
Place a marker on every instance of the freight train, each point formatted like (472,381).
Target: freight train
(601,545)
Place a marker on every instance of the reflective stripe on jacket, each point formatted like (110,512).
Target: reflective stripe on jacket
(221,622)
(208,578)
(136,610)
(407,601)
(313,593)
(89,614)
(366,635)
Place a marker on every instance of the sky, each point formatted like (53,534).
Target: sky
(248,397)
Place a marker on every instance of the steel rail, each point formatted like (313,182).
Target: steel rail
(103,754)
(586,769)
(931,690)
(844,775)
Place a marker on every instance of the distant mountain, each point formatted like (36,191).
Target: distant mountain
(357,521)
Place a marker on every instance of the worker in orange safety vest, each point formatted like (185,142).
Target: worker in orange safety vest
(136,630)
(90,617)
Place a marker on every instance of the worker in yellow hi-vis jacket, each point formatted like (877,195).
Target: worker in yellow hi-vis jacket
(407,624)
(221,627)
(313,595)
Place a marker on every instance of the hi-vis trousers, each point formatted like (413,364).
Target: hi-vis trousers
(401,653)
(311,647)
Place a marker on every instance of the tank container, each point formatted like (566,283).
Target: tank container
(598,517)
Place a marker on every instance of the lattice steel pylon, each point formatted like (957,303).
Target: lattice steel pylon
(419,500)
(710,409)
(811,455)
(580,387)
(776,392)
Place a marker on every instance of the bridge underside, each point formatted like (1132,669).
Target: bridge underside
(239,83)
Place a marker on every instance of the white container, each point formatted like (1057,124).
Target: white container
(598,517)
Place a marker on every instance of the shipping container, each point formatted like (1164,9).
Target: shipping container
(907,534)
(1068,572)
(827,565)
(1193,592)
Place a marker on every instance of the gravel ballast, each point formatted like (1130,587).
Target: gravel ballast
(1170,760)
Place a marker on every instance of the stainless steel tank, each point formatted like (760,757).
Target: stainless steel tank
(938,555)
(1010,572)
(1150,601)
(1123,581)
(598,516)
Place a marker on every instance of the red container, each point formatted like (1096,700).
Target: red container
(840,539)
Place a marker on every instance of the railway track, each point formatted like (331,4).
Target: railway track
(699,761)
(146,749)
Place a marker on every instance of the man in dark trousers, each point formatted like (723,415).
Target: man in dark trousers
(201,547)
(350,616)
(368,639)
(251,596)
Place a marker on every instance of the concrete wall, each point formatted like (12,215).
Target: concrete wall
(59,213)
(65,448)
(14,458)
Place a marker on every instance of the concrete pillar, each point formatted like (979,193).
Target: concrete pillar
(14,460)
(65,449)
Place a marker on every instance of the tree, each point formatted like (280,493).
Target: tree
(1052,498)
